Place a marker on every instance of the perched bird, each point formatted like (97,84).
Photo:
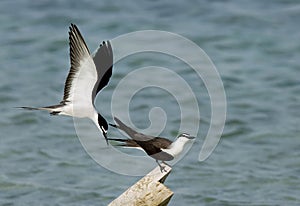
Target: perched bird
(87,76)
(158,148)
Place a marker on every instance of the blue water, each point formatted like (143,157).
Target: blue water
(255,47)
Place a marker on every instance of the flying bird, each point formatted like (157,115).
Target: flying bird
(158,148)
(88,74)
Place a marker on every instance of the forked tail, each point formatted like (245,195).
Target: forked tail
(52,109)
(29,108)
(120,125)
(127,142)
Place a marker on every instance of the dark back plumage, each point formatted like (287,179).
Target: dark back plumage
(153,148)
(151,145)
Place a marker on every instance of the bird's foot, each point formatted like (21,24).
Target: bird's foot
(162,168)
(54,113)
(166,163)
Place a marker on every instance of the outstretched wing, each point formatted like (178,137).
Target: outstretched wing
(82,75)
(103,59)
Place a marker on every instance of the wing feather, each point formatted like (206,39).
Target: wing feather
(153,148)
(78,52)
(103,59)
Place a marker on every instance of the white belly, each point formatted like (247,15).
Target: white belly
(78,110)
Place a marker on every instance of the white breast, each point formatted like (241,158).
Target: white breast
(175,149)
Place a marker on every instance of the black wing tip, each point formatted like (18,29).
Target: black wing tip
(73,26)
(76,39)
(73,30)
(106,42)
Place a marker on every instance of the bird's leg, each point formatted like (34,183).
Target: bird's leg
(162,169)
(54,113)
(166,163)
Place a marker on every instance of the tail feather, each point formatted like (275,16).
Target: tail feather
(52,109)
(127,142)
(118,140)
(120,125)
(36,108)
(28,108)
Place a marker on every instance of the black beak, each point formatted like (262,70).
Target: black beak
(113,125)
(191,137)
(105,136)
